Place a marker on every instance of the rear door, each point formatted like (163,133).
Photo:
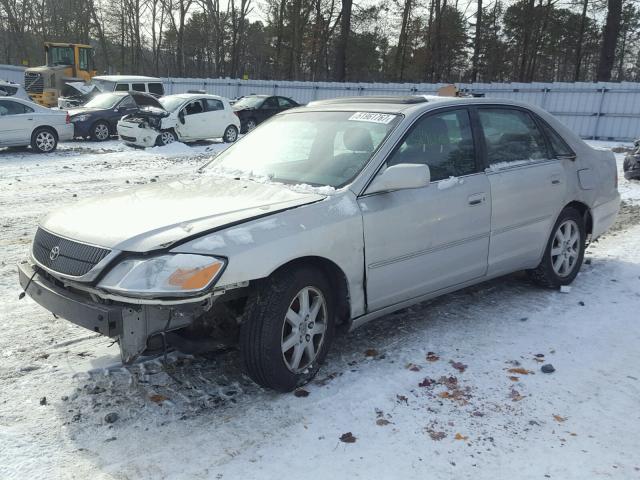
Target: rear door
(528,187)
(217,117)
(422,240)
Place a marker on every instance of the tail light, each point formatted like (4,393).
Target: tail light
(68,119)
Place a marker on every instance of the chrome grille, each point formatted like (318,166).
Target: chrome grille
(66,256)
(33,82)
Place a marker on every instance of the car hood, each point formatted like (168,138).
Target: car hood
(79,111)
(146,100)
(157,215)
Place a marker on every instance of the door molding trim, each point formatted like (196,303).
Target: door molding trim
(426,251)
(515,226)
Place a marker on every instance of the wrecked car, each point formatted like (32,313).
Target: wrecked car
(97,119)
(186,117)
(631,164)
(325,217)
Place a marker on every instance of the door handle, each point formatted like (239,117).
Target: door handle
(476,199)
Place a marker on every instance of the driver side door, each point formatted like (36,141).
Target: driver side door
(422,240)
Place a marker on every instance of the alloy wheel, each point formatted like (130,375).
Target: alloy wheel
(303,330)
(45,141)
(101,131)
(566,248)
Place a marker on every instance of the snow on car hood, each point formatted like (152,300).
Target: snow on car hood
(157,215)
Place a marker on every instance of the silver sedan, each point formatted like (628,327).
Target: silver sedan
(331,214)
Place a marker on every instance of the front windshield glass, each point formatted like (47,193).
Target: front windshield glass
(249,102)
(60,56)
(171,103)
(314,148)
(104,100)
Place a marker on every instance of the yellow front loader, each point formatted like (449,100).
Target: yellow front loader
(65,62)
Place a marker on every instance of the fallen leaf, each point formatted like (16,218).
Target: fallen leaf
(427,382)
(157,398)
(382,422)
(515,395)
(459,436)
(432,357)
(436,435)
(371,352)
(514,379)
(402,398)
(413,367)
(559,419)
(347,438)
(520,371)
(301,392)
(461,367)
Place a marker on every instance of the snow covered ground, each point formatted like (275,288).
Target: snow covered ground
(447,389)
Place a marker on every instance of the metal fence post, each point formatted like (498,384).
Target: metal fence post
(599,114)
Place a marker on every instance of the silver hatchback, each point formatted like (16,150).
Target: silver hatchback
(331,214)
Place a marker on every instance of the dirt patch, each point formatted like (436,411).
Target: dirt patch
(628,216)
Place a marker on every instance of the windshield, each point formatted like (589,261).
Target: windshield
(104,100)
(60,56)
(314,148)
(249,102)
(171,103)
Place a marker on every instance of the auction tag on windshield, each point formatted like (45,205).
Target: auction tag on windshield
(372,117)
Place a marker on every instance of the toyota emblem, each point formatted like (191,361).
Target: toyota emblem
(55,253)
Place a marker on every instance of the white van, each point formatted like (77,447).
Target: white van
(110,83)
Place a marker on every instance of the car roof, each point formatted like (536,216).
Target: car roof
(127,78)
(188,96)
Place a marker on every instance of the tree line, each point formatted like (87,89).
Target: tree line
(338,40)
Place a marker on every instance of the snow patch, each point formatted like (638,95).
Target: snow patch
(240,235)
(345,207)
(175,148)
(210,242)
(496,167)
(449,183)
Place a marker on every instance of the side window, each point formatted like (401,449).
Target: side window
(122,87)
(13,108)
(127,102)
(194,108)
(156,88)
(213,105)
(511,136)
(443,141)
(284,102)
(558,145)
(83,61)
(138,87)
(271,102)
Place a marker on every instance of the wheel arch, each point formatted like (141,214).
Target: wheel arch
(585,211)
(45,127)
(336,277)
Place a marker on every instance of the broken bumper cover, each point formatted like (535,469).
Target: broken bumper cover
(132,324)
(103,319)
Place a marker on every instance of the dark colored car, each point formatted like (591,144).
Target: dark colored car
(255,109)
(631,165)
(98,118)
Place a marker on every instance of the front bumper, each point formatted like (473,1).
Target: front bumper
(103,319)
(131,324)
(81,129)
(133,134)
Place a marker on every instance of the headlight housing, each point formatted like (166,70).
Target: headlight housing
(80,118)
(170,275)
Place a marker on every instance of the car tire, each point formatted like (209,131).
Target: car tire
(166,137)
(564,252)
(230,134)
(44,140)
(280,348)
(100,131)
(250,125)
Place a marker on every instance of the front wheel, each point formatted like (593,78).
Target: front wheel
(288,328)
(230,134)
(166,137)
(100,132)
(564,252)
(44,140)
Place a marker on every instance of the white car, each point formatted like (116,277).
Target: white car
(185,117)
(10,89)
(24,123)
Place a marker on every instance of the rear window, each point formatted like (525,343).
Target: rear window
(156,88)
(213,105)
(558,145)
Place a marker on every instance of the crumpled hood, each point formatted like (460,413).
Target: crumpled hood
(156,215)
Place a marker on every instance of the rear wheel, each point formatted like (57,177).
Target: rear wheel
(564,252)
(166,137)
(44,140)
(251,124)
(230,134)
(288,328)
(100,131)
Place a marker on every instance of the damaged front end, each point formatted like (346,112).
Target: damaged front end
(145,303)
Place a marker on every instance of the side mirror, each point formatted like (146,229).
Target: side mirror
(400,177)
(181,116)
